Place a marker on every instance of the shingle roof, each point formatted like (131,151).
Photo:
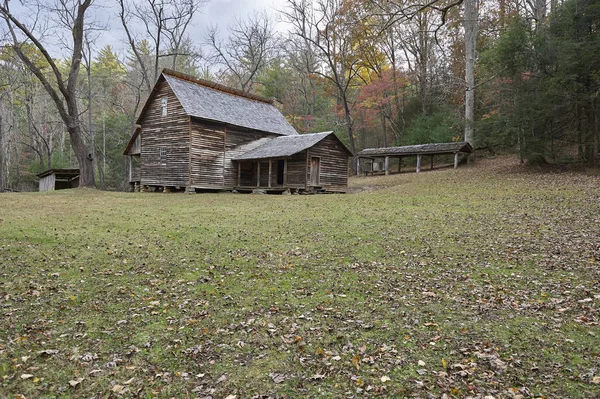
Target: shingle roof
(437,148)
(284,146)
(214,102)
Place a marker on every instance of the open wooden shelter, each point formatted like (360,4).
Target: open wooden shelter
(58,179)
(372,160)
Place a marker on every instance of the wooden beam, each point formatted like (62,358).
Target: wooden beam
(270,172)
(432,160)
(357,166)
(257,173)
(419,163)
(285,166)
(130,168)
(239,177)
(387,165)
(455,160)
(399,163)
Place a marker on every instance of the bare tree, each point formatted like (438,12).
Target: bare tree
(328,28)
(250,46)
(63,91)
(165,23)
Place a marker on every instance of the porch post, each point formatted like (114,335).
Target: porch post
(130,168)
(399,163)
(357,166)
(257,173)
(270,171)
(432,161)
(455,160)
(239,177)
(285,172)
(419,163)
(387,164)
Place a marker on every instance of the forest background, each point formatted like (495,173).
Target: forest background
(379,73)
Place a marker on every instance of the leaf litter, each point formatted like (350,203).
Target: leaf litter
(471,283)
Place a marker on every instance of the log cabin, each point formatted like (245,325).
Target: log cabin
(197,135)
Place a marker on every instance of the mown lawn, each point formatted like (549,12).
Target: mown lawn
(484,281)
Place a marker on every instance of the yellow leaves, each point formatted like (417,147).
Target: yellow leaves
(355,360)
(444,363)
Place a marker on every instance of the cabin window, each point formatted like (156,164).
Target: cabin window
(163,106)
(163,155)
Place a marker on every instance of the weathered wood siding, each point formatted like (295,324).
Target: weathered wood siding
(333,164)
(168,134)
(207,154)
(135,148)
(47,183)
(296,170)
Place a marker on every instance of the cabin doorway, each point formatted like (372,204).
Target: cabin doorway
(315,171)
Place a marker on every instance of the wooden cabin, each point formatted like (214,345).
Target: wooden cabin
(199,135)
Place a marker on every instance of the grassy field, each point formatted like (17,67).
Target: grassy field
(484,281)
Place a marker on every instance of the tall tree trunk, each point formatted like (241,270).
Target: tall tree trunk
(470,25)
(349,123)
(1,156)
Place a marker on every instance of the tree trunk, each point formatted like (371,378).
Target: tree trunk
(84,159)
(1,157)
(470,25)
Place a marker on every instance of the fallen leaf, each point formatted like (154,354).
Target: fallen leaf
(277,377)
(596,380)
(355,360)
(26,376)
(117,388)
(385,378)
(76,382)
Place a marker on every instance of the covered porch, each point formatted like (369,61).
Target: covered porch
(269,175)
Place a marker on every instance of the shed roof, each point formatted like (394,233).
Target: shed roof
(60,173)
(284,146)
(211,101)
(420,149)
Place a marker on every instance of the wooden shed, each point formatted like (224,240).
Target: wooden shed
(371,160)
(200,135)
(58,179)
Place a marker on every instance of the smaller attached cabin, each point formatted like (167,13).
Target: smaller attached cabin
(372,160)
(58,179)
(200,135)
(315,162)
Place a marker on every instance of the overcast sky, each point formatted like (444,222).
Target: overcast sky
(216,12)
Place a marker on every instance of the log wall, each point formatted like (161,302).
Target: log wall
(168,136)
(207,155)
(296,170)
